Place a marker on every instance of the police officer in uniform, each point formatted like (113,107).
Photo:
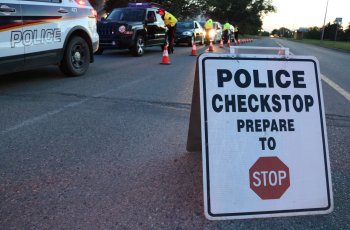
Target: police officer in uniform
(208,26)
(236,33)
(227,33)
(170,22)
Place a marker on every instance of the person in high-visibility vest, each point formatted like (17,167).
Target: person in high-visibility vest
(170,22)
(208,26)
(226,32)
(236,32)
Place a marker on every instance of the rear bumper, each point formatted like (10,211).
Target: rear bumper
(182,39)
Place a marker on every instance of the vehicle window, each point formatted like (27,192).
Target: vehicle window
(130,15)
(151,16)
(185,25)
(159,18)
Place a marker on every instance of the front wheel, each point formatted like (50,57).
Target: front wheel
(138,48)
(202,41)
(192,41)
(76,58)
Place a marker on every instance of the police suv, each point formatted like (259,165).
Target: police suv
(133,27)
(41,32)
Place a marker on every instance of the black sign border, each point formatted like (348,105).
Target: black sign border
(207,143)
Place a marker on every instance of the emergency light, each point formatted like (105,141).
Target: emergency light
(81,2)
(140,4)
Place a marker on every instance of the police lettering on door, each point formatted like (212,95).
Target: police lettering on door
(35,37)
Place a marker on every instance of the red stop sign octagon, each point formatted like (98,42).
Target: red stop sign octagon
(269,178)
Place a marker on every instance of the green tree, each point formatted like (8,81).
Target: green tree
(247,14)
(264,33)
(347,33)
(313,33)
(111,4)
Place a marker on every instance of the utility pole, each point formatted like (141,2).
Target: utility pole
(324,21)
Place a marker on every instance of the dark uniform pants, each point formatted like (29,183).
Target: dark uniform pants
(170,37)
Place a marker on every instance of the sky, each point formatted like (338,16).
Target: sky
(294,14)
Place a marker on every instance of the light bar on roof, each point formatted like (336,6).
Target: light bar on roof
(140,4)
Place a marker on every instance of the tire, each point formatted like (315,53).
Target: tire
(99,51)
(192,41)
(76,58)
(214,39)
(139,47)
(202,41)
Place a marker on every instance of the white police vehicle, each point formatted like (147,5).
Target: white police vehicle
(41,32)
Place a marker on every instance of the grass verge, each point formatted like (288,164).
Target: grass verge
(326,43)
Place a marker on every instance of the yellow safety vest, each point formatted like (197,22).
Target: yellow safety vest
(227,26)
(169,19)
(208,25)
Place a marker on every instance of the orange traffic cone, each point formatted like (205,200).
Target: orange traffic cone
(228,43)
(211,47)
(239,41)
(221,44)
(194,49)
(235,42)
(165,59)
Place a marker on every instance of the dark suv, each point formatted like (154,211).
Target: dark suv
(133,27)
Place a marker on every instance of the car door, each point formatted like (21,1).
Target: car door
(155,28)
(161,29)
(219,31)
(197,31)
(42,33)
(11,46)
(151,27)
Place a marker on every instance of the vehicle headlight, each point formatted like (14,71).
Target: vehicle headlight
(212,33)
(187,33)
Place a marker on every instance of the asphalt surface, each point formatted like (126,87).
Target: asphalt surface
(108,150)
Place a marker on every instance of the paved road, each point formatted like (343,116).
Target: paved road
(107,150)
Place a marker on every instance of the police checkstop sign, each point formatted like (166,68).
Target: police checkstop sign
(264,141)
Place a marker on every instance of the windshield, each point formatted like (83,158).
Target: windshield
(130,15)
(185,25)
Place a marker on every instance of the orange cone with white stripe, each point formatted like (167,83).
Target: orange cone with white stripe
(194,49)
(221,44)
(211,47)
(228,43)
(165,59)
